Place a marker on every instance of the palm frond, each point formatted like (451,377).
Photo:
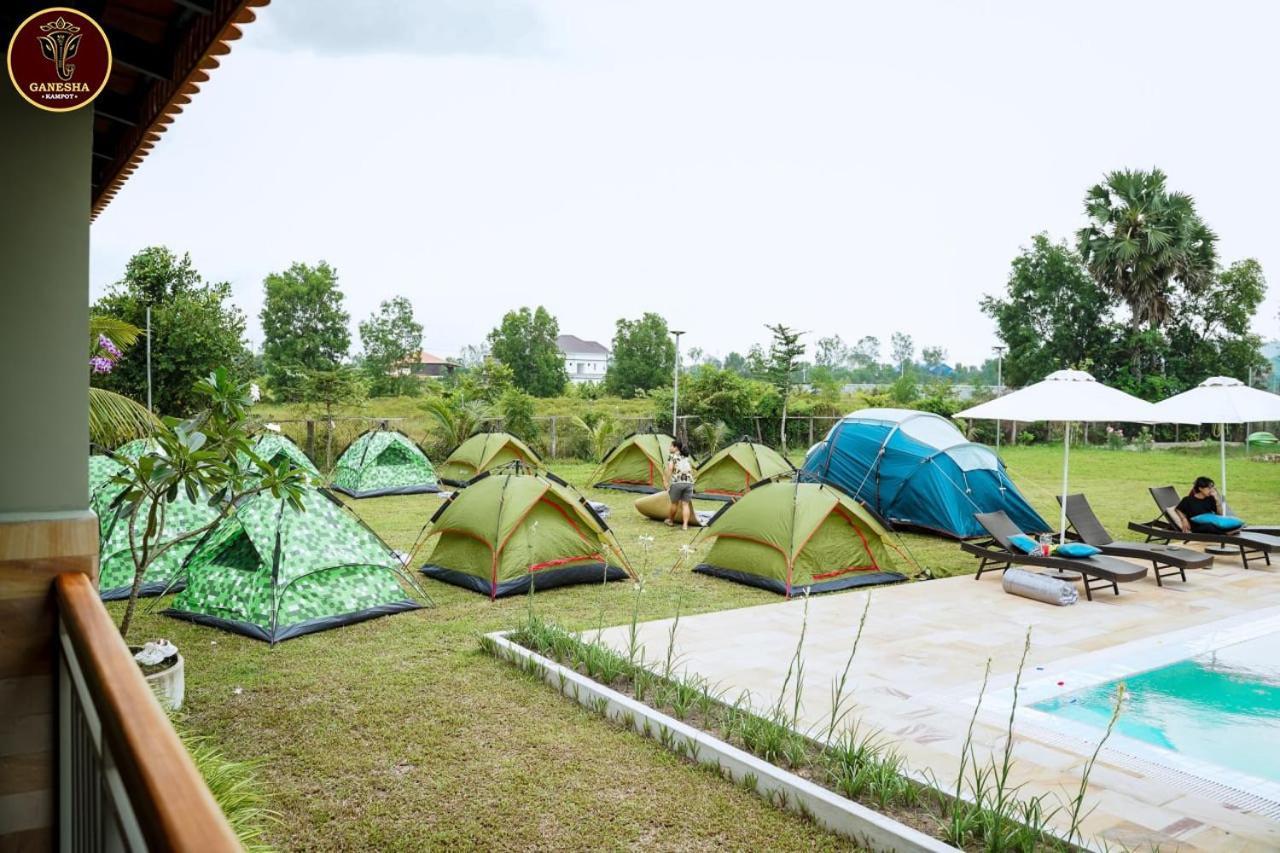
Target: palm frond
(119,332)
(115,419)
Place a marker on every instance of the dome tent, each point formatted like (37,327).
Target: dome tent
(509,530)
(787,537)
(272,446)
(730,472)
(115,554)
(482,452)
(383,462)
(272,572)
(916,469)
(638,463)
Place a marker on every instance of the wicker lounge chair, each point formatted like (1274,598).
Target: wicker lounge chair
(1097,572)
(1166,560)
(1164,528)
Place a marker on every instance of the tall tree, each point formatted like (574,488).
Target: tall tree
(525,341)
(391,336)
(831,352)
(304,326)
(194,330)
(1052,315)
(903,349)
(866,352)
(1141,238)
(933,356)
(784,356)
(644,356)
(1211,333)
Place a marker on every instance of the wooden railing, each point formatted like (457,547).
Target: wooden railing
(125,780)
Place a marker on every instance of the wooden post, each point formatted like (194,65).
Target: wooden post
(811,430)
(553,437)
(311,439)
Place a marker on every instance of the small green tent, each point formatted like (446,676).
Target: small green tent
(506,531)
(730,472)
(115,555)
(102,468)
(272,447)
(483,452)
(383,462)
(638,463)
(272,572)
(785,537)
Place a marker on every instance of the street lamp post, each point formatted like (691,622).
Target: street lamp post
(999,386)
(675,390)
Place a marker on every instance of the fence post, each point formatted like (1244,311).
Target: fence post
(311,439)
(553,437)
(811,430)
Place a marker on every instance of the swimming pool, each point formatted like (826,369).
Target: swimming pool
(1221,707)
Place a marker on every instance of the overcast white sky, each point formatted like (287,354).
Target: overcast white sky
(851,168)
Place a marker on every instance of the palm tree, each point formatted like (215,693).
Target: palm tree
(114,418)
(459,419)
(1141,237)
(599,430)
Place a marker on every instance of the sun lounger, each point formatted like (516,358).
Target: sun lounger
(1164,528)
(1166,560)
(1264,529)
(998,552)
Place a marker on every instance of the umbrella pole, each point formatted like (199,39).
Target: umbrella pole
(1222,455)
(1066,458)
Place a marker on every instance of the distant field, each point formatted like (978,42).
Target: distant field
(399,733)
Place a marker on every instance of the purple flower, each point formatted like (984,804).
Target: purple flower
(101,364)
(105,344)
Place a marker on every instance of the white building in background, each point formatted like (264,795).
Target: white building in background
(586,361)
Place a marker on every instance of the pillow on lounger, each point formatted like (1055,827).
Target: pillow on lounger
(1024,543)
(1076,549)
(1224,523)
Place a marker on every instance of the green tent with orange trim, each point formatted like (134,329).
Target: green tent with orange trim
(731,471)
(508,530)
(638,463)
(790,537)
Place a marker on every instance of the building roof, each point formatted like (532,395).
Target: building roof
(425,357)
(573,343)
(163,51)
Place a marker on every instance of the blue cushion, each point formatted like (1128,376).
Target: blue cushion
(1024,543)
(1221,522)
(1076,549)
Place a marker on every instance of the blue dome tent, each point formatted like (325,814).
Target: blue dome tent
(916,469)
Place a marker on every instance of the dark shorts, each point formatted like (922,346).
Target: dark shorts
(680,492)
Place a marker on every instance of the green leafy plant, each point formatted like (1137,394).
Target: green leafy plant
(209,458)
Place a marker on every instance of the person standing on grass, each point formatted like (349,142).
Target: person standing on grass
(1202,500)
(680,484)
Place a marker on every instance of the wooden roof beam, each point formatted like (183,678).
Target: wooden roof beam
(149,60)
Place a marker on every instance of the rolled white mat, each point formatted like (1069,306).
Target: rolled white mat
(1039,587)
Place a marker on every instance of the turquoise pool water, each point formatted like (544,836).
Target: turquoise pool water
(1222,707)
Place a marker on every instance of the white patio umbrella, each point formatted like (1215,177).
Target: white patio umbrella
(1220,400)
(1066,396)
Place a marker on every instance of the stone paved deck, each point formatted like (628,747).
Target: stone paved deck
(920,665)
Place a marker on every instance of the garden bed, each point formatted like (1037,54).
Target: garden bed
(846,780)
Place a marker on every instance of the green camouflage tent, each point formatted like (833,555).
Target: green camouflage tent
(791,536)
(101,469)
(483,452)
(272,572)
(506,531)
(383,462)
(273,447)
(730,472)
(638,463)
(115,556)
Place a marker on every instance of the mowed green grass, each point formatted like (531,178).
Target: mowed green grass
(400,733)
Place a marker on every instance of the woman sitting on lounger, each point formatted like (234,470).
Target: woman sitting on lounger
(1202,500)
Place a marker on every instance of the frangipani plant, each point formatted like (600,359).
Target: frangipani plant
(207,458)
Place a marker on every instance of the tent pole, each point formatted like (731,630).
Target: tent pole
(1066,458)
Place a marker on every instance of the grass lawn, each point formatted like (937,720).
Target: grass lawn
(400,733)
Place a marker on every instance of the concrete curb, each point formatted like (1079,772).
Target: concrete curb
(829,810)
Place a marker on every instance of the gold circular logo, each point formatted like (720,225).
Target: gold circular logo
(59,59)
